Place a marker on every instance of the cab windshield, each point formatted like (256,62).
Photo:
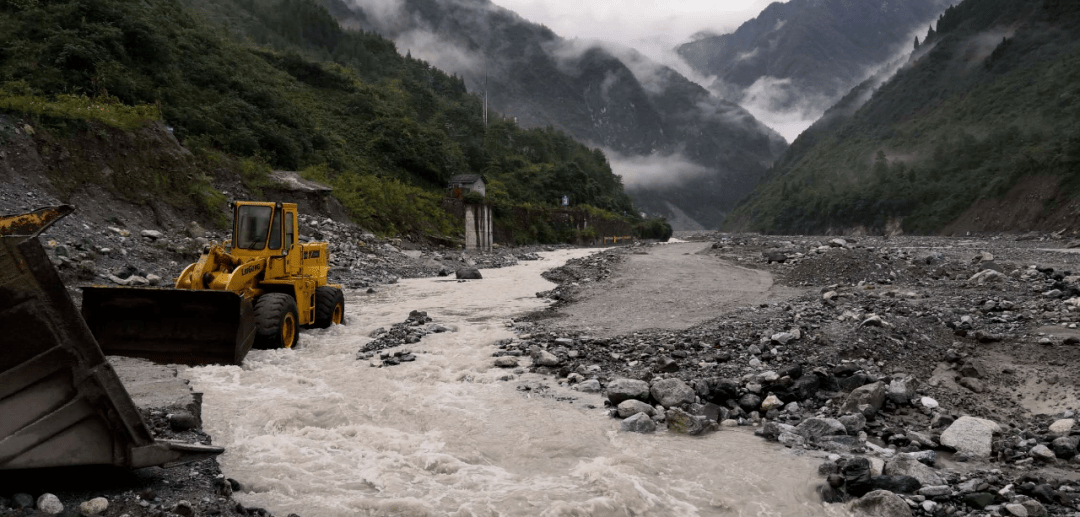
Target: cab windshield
(252,225)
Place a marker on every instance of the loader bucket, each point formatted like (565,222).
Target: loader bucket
(61,402)
(170,325)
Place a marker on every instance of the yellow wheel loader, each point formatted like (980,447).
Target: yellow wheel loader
(257,290)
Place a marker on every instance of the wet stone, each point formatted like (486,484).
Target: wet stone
(619,390)
(672,392)
(679,421)
(631,407)
(639,423)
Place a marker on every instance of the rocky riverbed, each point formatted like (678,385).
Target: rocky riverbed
(943,372)
(115,244)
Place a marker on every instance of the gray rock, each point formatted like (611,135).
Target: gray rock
(672,392)
(589,386)
(182,421)
(854,422)
(814,428)
(152,234)
(789,439)
(1042,453)
(49,504)
(639,423)
(906,466)
(771,402)
(619,390)
(679,421)
(902,390)
(880,503)
(95,506)
(714,412)
(1063,426)
(972,384)
(872,321)
(974,368)
(925,457)
(971,436)
(750,402)
(506,361)
(153,279)
(935,490)
(546,358)
(631,407)
(468,273)
(22,500)
(870,394)
(1065,447)
(783,338)
(896,484)
(1016,510)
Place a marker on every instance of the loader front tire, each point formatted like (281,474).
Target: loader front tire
(329,307)
(277,324)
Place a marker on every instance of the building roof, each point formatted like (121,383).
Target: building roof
(466,178)
(291,181)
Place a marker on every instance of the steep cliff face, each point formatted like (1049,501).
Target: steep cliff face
(674,143)
(801,56)
(976,131)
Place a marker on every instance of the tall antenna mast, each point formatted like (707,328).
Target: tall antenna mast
(485,93)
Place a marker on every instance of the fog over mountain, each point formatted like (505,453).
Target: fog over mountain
(795,59)
(656,125)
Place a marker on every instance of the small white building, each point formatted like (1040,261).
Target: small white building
(465,183)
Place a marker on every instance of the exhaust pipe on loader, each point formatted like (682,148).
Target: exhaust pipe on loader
(61,402)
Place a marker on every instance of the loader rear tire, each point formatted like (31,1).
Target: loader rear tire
(329,307)
(277,324)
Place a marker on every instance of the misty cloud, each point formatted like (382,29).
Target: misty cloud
(655,170)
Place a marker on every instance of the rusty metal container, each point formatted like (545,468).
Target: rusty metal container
(61,403)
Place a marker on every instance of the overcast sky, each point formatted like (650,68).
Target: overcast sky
(651,26)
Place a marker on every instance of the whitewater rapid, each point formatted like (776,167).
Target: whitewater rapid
(315,432)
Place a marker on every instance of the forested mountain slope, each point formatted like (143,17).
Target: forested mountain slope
(987,105)
(803,55)
(386,131)
(686,146)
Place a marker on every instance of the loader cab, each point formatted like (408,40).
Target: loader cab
(268,230)
(264,227)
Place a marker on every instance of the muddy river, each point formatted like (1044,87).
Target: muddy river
(315,432)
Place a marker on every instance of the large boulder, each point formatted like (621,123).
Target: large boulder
(721,390)
(896,483)
(814,428)
(1062,426)
(880,503)
(680,421)
(908,466)
(902,390)
(672,392)
(1065,447)
(631,407)
(870,394)
(468,273)
(857,476)
(970,436)
(619,390)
